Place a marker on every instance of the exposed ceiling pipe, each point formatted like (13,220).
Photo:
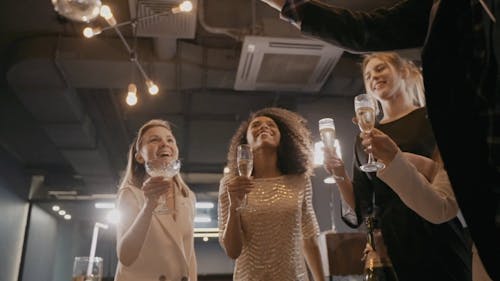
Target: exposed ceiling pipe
(237,34)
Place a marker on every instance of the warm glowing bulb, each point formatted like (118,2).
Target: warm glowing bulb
(67,217)
(132,88)
(205,239)
(106,12)
(184,7)
(131,99)
(90,32)
(152,88)
(107,15)
(62,212)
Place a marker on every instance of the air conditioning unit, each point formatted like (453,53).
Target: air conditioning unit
(288,64)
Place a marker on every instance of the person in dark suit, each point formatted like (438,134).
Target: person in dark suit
(460,73)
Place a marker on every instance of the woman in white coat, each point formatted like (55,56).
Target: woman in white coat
(153,246)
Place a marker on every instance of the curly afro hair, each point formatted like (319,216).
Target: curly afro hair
(295,155)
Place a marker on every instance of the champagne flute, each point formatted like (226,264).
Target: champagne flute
(327,133)
(244,159)
(364,106)
(87,269)
(160,168)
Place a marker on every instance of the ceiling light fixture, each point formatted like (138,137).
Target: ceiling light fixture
(204,205)
(81,10)
(104,205)
(107,14)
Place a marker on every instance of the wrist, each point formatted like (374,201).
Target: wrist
(149,207)
(233,209)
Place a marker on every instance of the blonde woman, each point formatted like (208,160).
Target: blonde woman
(430,237)
(152,246)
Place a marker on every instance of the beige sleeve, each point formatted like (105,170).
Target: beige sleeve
(129,207)
(434,201)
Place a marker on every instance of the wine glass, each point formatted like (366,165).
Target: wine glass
(327,133)
(87,269)
(364,106)
(244,159)
(161,168)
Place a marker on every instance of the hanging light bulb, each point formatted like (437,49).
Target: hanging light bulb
(131,95)
(152,88)
(78,10)
(106,13)
(90,32)
(184,7)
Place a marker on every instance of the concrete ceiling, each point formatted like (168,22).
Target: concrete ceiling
(63,114)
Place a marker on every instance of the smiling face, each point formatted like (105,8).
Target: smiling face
(382,79)
(263,132)
(157,142)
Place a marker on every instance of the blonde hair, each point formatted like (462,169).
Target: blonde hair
(413,80)
(135,173)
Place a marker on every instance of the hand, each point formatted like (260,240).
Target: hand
(153,188)
(368,251)
(333,164)
(237,187)
(380,144)
(277,4)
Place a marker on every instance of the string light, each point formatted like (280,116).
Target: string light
(107,15)
(131,95)
(152,88)
(105,12)
(90,32)
(184,7)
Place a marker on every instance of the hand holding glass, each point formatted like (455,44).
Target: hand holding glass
(85,269)
(161,168)
(244,159)
(327,133)
(364,106)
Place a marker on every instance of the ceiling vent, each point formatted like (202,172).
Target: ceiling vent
(181,25)
(288,64)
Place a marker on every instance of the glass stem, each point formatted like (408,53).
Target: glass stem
(370,158)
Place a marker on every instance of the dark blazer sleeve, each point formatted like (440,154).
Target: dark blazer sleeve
(401,26)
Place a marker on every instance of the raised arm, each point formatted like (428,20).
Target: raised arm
(310,232)
(231,193)
(401,26)
(432,199)
(334,165)
(136,219)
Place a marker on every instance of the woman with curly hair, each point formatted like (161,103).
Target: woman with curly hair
(269,241)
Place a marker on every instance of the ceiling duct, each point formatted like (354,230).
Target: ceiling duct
(181,25)
(268,63)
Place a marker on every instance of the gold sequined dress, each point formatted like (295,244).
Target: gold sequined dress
(283,216)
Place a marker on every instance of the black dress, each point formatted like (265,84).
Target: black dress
(458,43)
(419,250)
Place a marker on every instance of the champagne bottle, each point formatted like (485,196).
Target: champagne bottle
(377,268)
